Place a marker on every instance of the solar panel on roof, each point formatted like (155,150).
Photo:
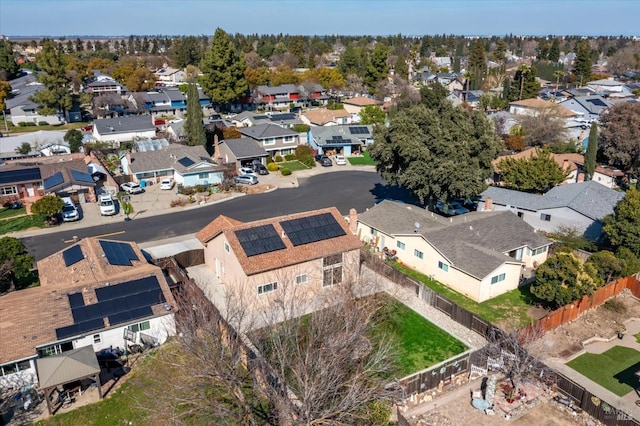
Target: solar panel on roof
(312,228)
(259,240)
(286,116)
(20,175)
(72,255)
(79,328)
(76,300)
(118,253)
(131,315)
(358,130)
(53,180)
(186,161)
(597,102)
(81,176)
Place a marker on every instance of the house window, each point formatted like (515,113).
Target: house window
(545,217)
(226,247)
(497,278)
(97,338)
(288,139)
(55,349)
(539,250)
(203,175)
(301,279)
(443,266)
(9,190)
(374,232)
(401,245)
(14,367)
(267,288)
(521,215)
(418,254)
(141,326)
(269,141)
(332,270)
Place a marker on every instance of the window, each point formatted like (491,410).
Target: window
(497,279)
(141,326)
(401,245)
(538,251)
(443,266)
(267,288)
(226,247)
(418,254)
(288,139)
(521,215)
(54,349)
(374,232)
(269,141)
(332,270)
(9,190)
(203,175)
(545,217)
(97,338)
(301,279)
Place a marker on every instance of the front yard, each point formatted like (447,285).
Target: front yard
(21,223)
(614,369)
(294,166)
(363,160)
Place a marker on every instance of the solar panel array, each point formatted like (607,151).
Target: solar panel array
(597,102)
(284,116)
(119,303)
(72,255)
(118,253)
(259,240)
(53,180)
(186,161)
(310,229)
(81,176)
(358,130)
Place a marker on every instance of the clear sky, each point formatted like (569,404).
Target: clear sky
(319,17)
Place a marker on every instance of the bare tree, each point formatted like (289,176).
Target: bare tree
(545,127)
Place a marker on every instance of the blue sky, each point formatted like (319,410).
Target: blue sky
(319,17)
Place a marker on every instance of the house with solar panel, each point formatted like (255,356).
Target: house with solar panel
(96,293)
(274,139)
(266,260)
(70,179)
(20,183)
(283,119)
(344,140)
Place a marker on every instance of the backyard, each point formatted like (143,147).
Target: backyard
(614,369)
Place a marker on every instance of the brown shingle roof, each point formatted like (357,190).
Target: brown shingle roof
(322,116)
(290,255)
(573,160)
(215,227)
(361,101)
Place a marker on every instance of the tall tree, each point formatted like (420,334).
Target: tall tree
(223,71)
(619,136)
(377,68)
(9,68)
(538,173)
(554,51)
(15,263)
(74,138)
(525,77)
(582,63)
(5,91)
(193,126)
(622,228)
(478,64)
(56,95)
(187,51)
(401,68)
(372,114)
(421,149)
(592,152)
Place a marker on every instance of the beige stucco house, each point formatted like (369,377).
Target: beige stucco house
(478,254)
(305,252)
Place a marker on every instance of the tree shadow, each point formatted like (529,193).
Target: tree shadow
(395,193)
(628,376)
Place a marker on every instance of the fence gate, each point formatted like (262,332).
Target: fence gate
(444,305)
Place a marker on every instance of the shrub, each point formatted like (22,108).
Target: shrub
(303,150)
(26,124)
(272,167)
(290,157)
(200,188)
(187,190)
(307,160)
(278,159)
(269,160)
(43,123)
(285,171)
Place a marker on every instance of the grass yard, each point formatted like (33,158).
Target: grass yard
(6,212)
(613,369)
(509,307)
(364,160)
(637,336)
(21,223)
(29,129)
(293,165)
(421,343)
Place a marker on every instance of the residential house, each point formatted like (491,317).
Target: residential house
(21,108)
(187,165)
(277,97)
(19,182)
(175,130)
(580,206)
(104,84)
(607,86)
(123,129)
(162,102)
(587,108)
(345,140)
(326,117)
(69,179)
(571,163)
(286,120)
(354,105)
(112,105)
(169,76)
(274,139)
(536,106)
(265,260)
(241,152)
(314,93)
(481,255)
(608,176)
(89,294)
(503,121)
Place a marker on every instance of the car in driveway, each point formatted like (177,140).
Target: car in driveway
(260,169)
(166,183)
(326,162)
(319,157)
(246,179)
(70,212)
(107,206)
(340,160)
(131,188)
(242,171)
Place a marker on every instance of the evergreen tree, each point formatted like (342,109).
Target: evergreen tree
(377,69)
(193,127)
(582,63)
(478,64)
(500,53)
(55,97)
(622,228)
(456,64)
(350,61)
(554,51)
(187,51)
(525,79)
(9,68)
(223,71)
(401,69)
(592,151)
(536,174)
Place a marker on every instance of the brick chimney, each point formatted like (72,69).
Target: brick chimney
(353,221)
(488,204)
(216,150)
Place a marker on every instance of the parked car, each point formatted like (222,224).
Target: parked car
(260,169)
(131,188)
(70,212)
(107,206)
(451,209)
(319,157)
(326,162)
(242,171)
(247,179)
(88,128)
(166,183)
(340,160)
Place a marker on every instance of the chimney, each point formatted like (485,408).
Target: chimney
(488,204)
(216,151)
(580,177)
(128,157)
(353,221)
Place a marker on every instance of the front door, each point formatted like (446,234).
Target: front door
(30,191)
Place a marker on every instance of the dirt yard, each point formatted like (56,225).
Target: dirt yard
(598,322)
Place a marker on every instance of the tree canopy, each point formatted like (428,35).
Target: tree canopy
(193,126)
(545,127)
(49,205)
(436,153)
(372,114)
(15,263)
(538,173)
(74,138)
(582,63)
(619,136)
(56,96)
(622,228)
(9,68)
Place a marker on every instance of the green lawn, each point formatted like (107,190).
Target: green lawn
(613,369)
(364,160)
(28,129)
(293,165)
(7,212)
(506,308)
(420,343)
(21,223)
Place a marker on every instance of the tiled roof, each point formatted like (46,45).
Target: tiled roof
(244,148)
(133,123)
(290,255)
(321,116)
(215,227)
(30,317)
(361,101)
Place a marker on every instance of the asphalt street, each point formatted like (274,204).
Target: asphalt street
(343,190)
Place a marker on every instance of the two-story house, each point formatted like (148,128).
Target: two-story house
(277,97)
(103,83)
(274,139)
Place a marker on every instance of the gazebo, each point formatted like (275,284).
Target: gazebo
(67,367)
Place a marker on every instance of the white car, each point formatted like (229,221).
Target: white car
(107,206)
(131,188)
(69,210)
(166,183)
(244,171)
(340,160)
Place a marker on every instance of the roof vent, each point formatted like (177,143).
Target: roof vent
(417,227)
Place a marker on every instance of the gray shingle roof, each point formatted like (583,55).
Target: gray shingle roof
(133,123)
(167,159)
(263,131)
(244,148)
(474,242)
